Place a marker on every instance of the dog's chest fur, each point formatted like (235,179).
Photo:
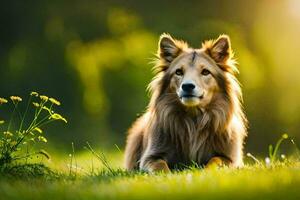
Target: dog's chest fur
(199,146)
(191,139)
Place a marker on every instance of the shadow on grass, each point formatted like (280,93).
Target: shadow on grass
(28,171)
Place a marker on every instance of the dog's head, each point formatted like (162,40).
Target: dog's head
(196,76)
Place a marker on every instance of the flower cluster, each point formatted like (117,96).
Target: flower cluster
(16,99)
(13,141)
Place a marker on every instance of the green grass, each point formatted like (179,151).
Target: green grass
(89,174)
(88,180)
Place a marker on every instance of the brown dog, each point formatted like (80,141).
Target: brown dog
(194,115)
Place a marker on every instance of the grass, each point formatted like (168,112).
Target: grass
(92,181)
(29,174)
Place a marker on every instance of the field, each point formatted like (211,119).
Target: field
(89,179)
(82,71)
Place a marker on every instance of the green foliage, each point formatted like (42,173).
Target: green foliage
(17,144)
(273,152)
(101,157)
(251,182)
(273,158)
(254,181)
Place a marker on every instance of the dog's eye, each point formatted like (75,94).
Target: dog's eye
(205,72)
(179,72)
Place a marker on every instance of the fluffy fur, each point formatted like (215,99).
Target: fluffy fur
(174,134)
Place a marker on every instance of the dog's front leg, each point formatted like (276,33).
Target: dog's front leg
(155,156)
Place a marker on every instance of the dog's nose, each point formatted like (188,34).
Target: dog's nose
(188,87)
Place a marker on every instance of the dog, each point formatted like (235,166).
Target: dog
(195,113)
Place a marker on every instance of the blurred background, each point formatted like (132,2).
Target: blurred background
(94,56)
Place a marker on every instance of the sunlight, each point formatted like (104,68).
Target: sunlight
(293,7)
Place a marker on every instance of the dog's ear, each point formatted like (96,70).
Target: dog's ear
(169,48)
(219,50)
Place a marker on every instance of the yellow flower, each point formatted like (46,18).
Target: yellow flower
(44,98)
(3,101)
(36,104)
(7,134)
(57,116)
(285,136)
(41,138)
(34,94)
(45,108)
(38,129)
(16,98)
(54,101)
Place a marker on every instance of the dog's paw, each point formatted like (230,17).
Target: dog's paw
(216,162)
(158,166)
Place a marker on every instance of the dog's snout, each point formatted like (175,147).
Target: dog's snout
(188,87)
